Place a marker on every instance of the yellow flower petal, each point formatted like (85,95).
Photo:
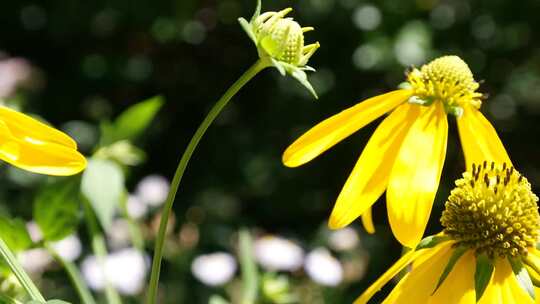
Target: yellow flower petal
(332,130)
(39,157)
(405,260)
(479,139)
(458,287)
(367,221)
(26,128)
(417,285)
(504,288)
(415,175)
(369,178)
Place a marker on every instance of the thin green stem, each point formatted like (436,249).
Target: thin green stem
(249,268)
(216,109)
(19,272)
(74,275)
(100,251)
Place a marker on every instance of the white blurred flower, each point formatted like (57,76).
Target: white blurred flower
(152,190)
(68,248)
(278,254)
(118,234)
(13,71)
(135,207)
(125,270)
(214,269)
(323,268)
(35,260)
(34,231)
(343,239)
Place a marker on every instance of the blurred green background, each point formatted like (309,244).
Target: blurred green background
(93,59)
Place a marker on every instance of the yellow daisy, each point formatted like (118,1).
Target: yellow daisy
(34,146)
(487,251)
(406,153)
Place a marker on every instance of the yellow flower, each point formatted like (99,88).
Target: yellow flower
(33,146)
(406,153)
(487,251)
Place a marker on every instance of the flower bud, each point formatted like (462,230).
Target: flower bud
(280,42)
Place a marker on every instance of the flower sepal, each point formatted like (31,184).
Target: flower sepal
(482,275)
(458,253)
(280,43)
(427,101)
(432,241)
(522,276)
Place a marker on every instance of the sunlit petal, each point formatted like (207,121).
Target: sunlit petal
(504,287)
(369,178)
(399,265)
(415,175)
(458,287)
(417,285)
(39,157)
(479,139)
(27,128)
(332,130)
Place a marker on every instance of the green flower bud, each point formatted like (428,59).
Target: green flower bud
(280,42)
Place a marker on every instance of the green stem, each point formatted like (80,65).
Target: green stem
(249,268)
(19,272)
(100,251)
(216,109)
(74,276)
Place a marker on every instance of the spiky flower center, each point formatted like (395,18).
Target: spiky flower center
(283,38)
(447,79)
(493,210)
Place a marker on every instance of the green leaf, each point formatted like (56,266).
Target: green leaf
(458,252)
(523,276)
(132,122)
(56,209)
(103,186)
(431,241)
(482,275)
(14,234)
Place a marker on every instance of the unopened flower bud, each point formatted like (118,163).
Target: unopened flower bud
(280,42)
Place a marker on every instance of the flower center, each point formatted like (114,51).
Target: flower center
(447,79)
(493,210)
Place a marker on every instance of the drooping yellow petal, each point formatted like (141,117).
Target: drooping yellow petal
(405,260)
(479,139)
(39,157)
(369,178)
(458,287)
(332,130)
(415,175)
(504,288)
(367,221)
(27,128)
(417,285)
